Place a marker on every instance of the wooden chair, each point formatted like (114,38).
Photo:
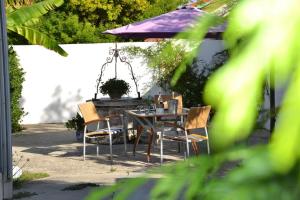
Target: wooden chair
(90,116)
(166,98)
(197,119)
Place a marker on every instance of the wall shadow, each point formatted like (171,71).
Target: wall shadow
(59,110)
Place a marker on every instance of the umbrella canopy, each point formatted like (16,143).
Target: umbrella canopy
(165,25)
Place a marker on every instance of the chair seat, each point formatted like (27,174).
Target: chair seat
(192,137)
(95,134)
(197,138)
(103,132)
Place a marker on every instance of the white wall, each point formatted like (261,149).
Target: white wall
(54,85)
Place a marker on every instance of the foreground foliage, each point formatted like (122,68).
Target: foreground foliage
(260,44)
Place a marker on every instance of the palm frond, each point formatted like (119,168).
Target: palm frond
(32,22)
(24,14)
(36,37)
(18,3)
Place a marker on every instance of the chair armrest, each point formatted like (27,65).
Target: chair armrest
(94,121)
(111,116)
(186,109)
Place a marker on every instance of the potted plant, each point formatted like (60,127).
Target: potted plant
(76,123)
(115,88)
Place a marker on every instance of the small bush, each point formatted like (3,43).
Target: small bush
(76,123)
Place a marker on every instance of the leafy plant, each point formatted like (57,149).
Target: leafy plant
(116,87)
(76,123)
(16,75)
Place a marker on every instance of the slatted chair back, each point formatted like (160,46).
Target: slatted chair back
(166,98)
(197,117)
(89,112)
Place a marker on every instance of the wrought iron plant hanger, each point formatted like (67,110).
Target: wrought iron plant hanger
(115,55)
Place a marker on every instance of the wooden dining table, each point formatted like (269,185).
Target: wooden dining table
(152,121)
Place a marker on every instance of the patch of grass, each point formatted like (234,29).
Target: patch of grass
(27,177)
(21,195)
(113,169)
(80,186)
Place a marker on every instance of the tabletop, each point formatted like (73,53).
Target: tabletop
(165,113)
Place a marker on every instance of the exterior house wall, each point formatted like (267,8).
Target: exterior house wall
(54,85)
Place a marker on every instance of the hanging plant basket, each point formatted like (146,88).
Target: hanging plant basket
(114,95)
(115,88)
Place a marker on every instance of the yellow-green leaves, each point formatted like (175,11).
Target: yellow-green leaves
(20,21)
(284,148)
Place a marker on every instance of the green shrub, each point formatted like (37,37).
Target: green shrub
(16,75)
(76,123)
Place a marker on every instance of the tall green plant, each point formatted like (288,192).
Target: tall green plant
(16,75)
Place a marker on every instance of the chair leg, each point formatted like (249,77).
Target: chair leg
(187,149)
(161,147)
(110,141)
(187,144)
(150,140)
(97,147)
(195,147)
(124,133)
(84,143)
(207,141)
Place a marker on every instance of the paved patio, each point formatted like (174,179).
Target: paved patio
(53,149)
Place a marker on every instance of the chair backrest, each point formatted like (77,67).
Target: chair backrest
(166,98)
(197,117)
(89,112)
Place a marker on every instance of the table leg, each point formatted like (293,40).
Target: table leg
(138,136)
(195,147)
(150,140)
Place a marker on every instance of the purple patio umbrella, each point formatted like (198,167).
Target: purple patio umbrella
(165,25)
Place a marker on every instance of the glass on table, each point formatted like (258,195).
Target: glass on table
(140,108)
